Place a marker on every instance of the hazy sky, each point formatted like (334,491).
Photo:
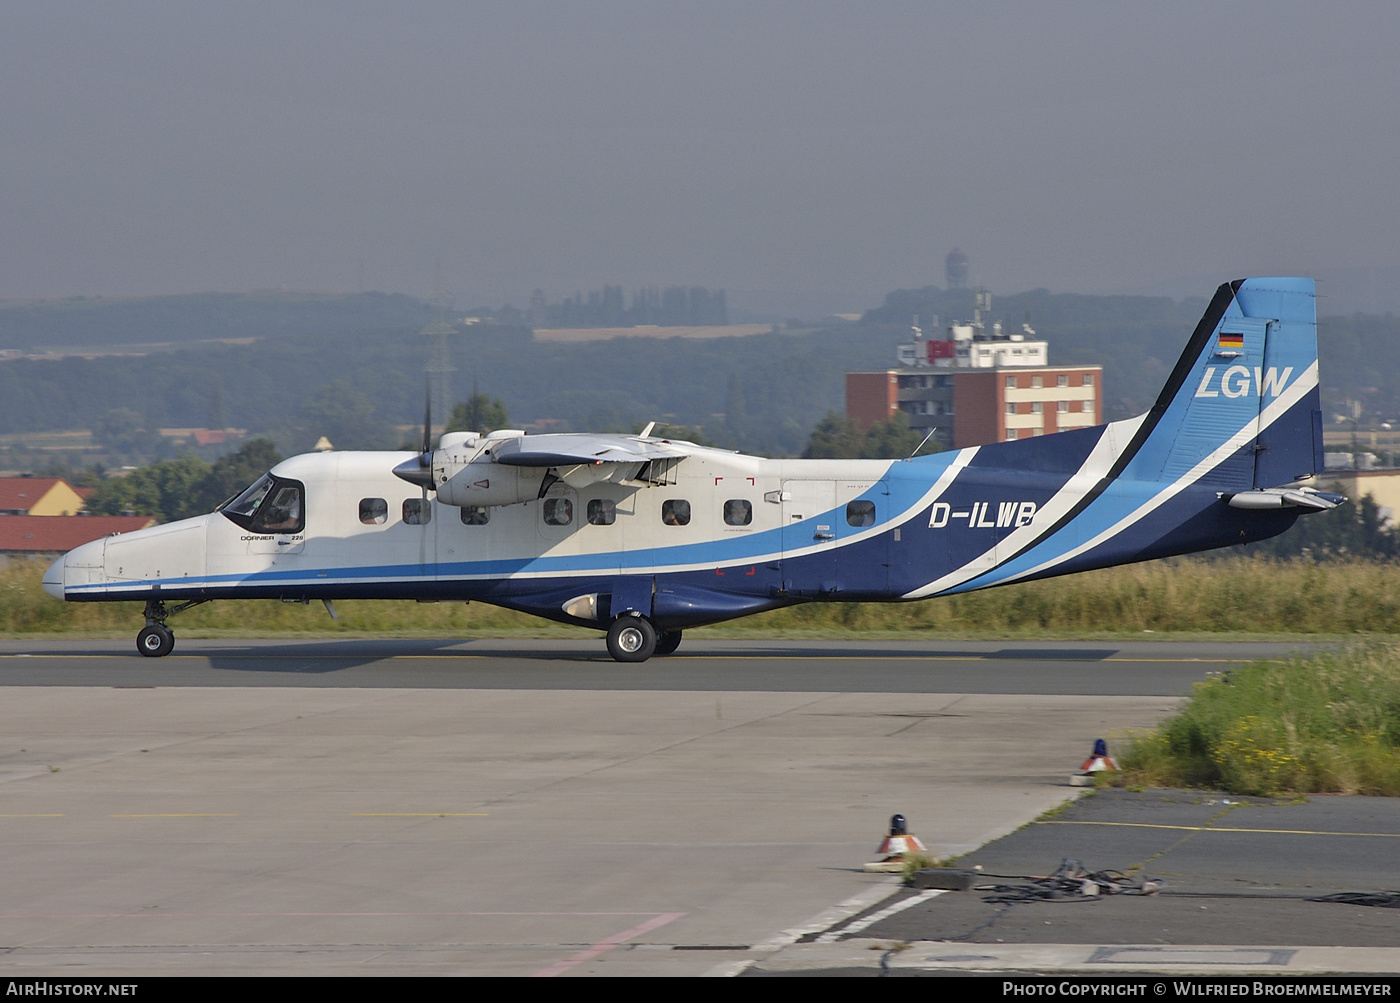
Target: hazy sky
(763,147)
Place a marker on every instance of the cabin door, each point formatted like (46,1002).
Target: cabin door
(810,534)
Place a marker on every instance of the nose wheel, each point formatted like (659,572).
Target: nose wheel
(155,640)
(631,639)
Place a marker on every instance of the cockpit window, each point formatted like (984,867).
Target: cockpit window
(271,505)
(281,512)
(247,503)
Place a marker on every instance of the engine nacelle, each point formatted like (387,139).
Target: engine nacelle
(465,473)
(484,482)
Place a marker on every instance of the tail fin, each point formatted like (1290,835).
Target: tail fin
(1241,409)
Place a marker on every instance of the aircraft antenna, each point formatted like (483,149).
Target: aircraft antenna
(924,440)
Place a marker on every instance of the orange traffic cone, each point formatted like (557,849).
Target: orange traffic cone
(1098,761)
(897,846)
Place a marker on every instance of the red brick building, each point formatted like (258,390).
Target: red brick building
(977,386)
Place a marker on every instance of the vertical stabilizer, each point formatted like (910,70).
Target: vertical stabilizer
(1241,409)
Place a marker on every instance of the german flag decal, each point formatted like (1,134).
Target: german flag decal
(1228,340)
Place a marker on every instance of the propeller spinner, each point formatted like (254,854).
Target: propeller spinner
(419,470)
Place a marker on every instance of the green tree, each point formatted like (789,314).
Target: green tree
(835,437)
(478,413)
(168,490)
(234,472)
(1349,532)
(184,487)
(891,439)
(345,416)
(123,431)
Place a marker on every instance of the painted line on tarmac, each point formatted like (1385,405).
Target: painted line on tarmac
(821,922)
(828,918)
(183,814)
(419,814)
(603,946)
(832,936)
(1088,959)
(1225,828)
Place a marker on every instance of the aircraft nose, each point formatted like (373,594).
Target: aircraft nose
(53,579)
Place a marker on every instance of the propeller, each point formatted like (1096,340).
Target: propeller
(425,467)
(420,469)
(427,458)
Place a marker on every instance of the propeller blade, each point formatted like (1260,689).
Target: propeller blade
(419,471)
(427,421)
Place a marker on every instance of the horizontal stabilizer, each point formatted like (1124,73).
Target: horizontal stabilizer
(1272,498)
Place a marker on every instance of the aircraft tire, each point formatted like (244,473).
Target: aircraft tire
(631,639)
(667,641)
(155,641)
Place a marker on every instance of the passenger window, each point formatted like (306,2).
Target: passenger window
(558,511)
(860,513)
(417,511)
(602,512)
(374,511)
(475,515)
(675,512)
(738,512)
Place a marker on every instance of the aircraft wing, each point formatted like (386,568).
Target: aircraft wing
(566,449)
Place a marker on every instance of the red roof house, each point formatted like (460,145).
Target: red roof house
(58,534)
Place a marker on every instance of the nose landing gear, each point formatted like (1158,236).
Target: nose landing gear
(156,640)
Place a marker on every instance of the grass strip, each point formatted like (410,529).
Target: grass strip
(1327,724)
(1254,595)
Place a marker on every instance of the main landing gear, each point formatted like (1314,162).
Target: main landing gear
(633,638)
(156,640)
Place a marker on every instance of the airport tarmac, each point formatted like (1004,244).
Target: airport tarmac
(522,808)
(1245,889)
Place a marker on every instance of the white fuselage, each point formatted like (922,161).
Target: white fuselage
(364,534)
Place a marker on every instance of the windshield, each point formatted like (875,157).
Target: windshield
(270,505)
(247,503)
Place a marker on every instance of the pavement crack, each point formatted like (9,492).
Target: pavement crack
(1190,835)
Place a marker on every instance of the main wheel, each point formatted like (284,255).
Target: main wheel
(155,640)
(667,641)
(631,639)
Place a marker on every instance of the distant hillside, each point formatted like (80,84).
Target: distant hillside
(762,393)
(106,320)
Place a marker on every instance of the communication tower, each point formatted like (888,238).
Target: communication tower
(956,269)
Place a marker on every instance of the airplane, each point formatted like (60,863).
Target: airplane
(644,537)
